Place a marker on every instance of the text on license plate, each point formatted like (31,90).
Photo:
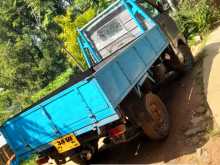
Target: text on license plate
(66,143)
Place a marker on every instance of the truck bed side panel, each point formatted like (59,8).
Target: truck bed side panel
(121,74)
(78,109)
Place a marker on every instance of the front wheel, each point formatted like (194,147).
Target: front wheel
(156,121)
(187,58)
(182,61)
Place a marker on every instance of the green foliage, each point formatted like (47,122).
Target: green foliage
(30,161)
(69,33)
(59,81)
(29,57)
(5,103)
(195,17)
(83,5)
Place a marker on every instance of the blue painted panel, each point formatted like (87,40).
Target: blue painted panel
(134,62)
(119,76)
(94,99)
(80,108)
(156,38)
(145,51)
(69,112)
(10,133)
(31,131)
(112,80)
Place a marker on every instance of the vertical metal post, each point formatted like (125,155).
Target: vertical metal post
(173,7)
(85,55)
(132,14)
(85,44)
(5,152)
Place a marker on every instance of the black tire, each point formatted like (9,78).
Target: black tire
(188,60)
(92,149)
(155,122)
(181,62)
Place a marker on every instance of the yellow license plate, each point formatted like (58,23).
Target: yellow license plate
(66,143)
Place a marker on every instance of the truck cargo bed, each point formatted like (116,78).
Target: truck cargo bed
(77,107)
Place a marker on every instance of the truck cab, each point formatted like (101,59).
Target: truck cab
(116,28)
(130,48)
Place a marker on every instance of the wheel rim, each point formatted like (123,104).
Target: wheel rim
(156,113)
(156,110)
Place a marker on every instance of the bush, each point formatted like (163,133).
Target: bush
(195,17)
(30,161)
(59,81)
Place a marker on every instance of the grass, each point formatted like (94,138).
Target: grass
(196,17)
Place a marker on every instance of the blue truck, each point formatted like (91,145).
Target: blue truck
(130,48)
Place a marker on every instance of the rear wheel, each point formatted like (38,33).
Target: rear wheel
(155,121)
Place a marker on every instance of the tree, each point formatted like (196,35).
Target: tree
(29,58)
(77,15)
(69,33)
